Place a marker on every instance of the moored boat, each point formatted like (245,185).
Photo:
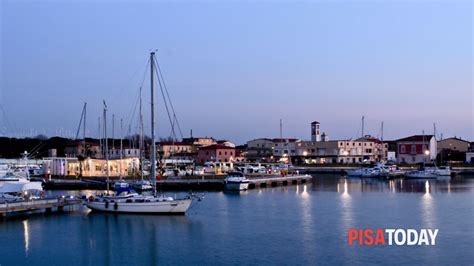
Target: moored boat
(236,181)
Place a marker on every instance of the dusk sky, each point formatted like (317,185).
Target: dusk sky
(234,69)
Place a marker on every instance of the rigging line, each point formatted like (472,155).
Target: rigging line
(166,104)
(129,119)
(5,117)
(80,123)
(169,98)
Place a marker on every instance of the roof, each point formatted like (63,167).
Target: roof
(454,138)
(215,147)
(416,138)
(284,140)
(369,138)
(315,122)
(174,143)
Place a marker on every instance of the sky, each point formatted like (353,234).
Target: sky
(235,68)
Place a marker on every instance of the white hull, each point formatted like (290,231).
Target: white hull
(158,207)
(236,185)
(19,186)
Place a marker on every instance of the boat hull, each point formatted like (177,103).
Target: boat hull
(159,207)
(236,186)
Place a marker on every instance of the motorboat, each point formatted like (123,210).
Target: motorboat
(236,181)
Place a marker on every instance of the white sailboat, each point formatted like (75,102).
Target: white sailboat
(134,203)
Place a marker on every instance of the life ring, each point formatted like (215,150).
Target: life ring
(106,204)
(115,206)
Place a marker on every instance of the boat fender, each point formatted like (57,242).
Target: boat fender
(115,206)
(106,204)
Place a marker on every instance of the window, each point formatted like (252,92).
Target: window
(225,153)
(365,144)
(402,149)
(413,149)
(413,159)
(231,153)
(220,153)
(360,144)
(353,144)
(207,153)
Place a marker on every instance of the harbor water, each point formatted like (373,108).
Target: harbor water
(291,225)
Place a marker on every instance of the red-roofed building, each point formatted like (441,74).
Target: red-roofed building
(416,149)
(215,153)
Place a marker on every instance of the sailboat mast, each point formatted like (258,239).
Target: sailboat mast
(153,147)
(363,122)
(121,146)
(106,146)
(84,130)
(141,136)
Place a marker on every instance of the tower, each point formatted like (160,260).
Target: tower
(315,133)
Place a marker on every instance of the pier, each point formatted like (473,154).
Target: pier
(279,181)
(218,184)
(37,205)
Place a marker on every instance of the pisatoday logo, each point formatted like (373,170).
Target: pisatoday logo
(389,237)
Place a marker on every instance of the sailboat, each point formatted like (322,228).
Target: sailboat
(133,202)
(428,173)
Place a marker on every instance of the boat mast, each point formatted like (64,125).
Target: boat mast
(106,146)
(153,147)
(84,130)
(141,136)
(363,122)
(121,146)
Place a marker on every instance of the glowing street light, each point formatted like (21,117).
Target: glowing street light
(427,152)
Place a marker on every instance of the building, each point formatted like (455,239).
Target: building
(470,154)
(363,150)
(259,150)
(89,148)
(315,131)
(167,149)
(454,144)
(200,141)
(284,148)
(215,153)
(416,149)
(67,166)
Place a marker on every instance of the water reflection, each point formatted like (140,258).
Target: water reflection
(342,184)
(26,229)
(427,209)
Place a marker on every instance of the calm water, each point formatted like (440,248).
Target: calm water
(295,225)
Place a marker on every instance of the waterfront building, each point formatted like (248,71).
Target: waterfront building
(88,167)
(363,150)
(417,149)
(259,150)
(215,153)
(470,153)
(168,149)
(199,141)
(453,144)
(284,148)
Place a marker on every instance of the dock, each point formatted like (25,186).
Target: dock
(218,184)
(279,181)
(47,205)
